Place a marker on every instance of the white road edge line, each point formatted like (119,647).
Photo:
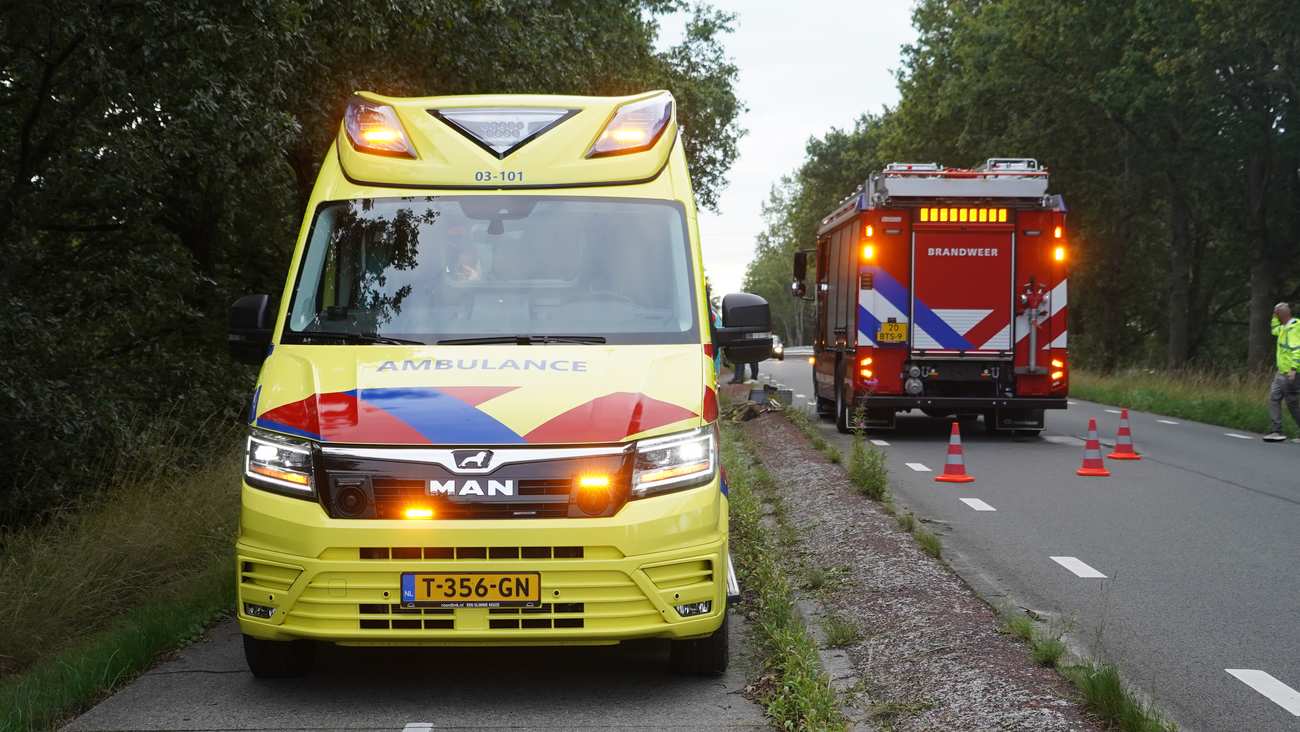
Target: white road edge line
(1166,421)
(1067,401)
(417,726)
(812,404)
(977,504)
(1112,411)
(1276,691)
(918,467)
(1239,437)
(1078,568)
(800,396)
(880,443)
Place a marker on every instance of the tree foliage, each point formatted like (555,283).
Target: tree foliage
(1169,126)
(158,155)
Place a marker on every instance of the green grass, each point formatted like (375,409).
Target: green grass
(1105,695)
(1235,400)
(1019,626)
(867,469)
(929,542)
(906,521)
(840,632)
(802,698)
(88,599)
(1047,651)
(816,578)
(819,443)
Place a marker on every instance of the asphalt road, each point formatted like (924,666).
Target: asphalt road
(1199,543)
(208,687)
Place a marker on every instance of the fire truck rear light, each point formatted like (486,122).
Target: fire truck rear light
(1058,363)
(865,361)
(812,360)
(866,373)
(1059,254)
(1056,375)
(961,216)
(870,231)
(869,251)
(1056,233)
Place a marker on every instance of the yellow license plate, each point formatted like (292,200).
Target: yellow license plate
(892,333)
(471,589)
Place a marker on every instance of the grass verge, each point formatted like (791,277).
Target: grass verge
(1236,400)
(802,698)
(1106,696)
(90,598)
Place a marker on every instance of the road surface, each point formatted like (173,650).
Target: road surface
(207,687)
(1199,545)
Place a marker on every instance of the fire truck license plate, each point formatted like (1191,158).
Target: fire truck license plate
(476,589)
(892,333)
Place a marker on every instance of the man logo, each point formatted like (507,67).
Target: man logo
(472,458)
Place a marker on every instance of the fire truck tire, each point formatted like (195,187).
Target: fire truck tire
(825,407)
(842,413)
(707,655)
(278,659)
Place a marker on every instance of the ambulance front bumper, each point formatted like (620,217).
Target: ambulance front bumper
(602,580)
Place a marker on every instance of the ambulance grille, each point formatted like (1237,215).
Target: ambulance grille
(373,616)
(478,552)
(267,577)
(547,498)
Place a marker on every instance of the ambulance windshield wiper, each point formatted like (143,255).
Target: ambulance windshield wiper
(361,338)
(521,340)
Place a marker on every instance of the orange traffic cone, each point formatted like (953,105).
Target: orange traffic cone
(1124,441)
(954,470)
(1092,464)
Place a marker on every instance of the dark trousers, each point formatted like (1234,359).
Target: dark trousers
(739,375)
(1283,390)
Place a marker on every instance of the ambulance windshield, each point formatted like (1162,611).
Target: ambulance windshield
(463,268)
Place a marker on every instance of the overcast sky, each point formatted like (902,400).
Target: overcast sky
(804,67)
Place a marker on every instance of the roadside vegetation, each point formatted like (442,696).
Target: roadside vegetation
(91,597)
(1234,400)
(800,696)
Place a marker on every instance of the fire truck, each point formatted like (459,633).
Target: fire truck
(943,290)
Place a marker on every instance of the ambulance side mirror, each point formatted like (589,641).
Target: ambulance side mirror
(746,332)
(249,337)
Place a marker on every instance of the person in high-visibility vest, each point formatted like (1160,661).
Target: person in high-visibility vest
(1285,387)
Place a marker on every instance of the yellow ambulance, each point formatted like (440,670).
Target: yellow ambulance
(487,406)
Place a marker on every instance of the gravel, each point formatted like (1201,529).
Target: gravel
(930,655)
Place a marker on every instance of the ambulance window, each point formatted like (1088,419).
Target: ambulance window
(451,267)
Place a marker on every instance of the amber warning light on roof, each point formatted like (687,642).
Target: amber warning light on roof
(947,215)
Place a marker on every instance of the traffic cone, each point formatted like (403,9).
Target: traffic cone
(1124,441)
(954,470)
(1092,463)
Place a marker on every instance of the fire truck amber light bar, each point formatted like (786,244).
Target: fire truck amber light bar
(963,215)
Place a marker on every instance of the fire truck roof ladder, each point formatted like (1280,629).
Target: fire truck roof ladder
(996,178)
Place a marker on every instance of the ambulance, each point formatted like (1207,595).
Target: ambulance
(944,290)
(487,411)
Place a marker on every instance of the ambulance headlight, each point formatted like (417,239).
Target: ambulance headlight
(279,463)
(636,126)
(682,460)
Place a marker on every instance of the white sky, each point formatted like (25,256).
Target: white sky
(804,67)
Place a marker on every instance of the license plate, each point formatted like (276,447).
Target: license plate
(892,333)
(471,589)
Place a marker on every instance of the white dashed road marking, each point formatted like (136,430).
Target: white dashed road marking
(1239,437)
(880,443)
(1079,568)
(801,396)
(417,726)
(1166,421)
(977,504)
(918,467)
(812,404)
(1276,691)
(1071,403)
(1112,411)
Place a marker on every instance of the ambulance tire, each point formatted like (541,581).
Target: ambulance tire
(707,655)
(278,659)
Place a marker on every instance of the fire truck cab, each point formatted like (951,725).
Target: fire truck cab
(943,290)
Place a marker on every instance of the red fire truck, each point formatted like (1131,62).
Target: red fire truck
(943,290)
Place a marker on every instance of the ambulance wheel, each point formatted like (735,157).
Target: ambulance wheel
(707,655)
(278,659)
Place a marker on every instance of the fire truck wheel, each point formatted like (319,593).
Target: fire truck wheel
(842,413)
(707,655)
(278,659)
(825,407)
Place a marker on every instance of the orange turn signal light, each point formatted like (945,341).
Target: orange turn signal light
(1058,363)
(865,361)
(866,373)
(869,251)
(417,512)
(1056,375)
(812,360)
(1059,254)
